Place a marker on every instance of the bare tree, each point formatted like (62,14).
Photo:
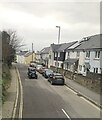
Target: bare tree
(15,41)
(10,43)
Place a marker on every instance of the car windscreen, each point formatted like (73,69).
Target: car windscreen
(49,71)
(58,76)
(33,70)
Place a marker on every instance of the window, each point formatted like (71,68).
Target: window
(59,54)
(78,54)
(97,54)
(84,68)
(80,67)
(101,70)
(58,64)
(68,53)
(87,54)
(49,56)
(55,54)
(95,70)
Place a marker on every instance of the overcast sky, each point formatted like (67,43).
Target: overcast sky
(36,21)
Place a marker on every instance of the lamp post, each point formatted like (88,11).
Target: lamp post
(58,33)
(58,43)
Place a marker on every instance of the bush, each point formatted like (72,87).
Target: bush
(6,80)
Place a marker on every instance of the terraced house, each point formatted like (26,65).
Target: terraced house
(44,56)
(85,56)
(57,54)
(82,57)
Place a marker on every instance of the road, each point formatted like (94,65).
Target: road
(43,100)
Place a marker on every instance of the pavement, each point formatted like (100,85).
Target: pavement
(8,106)
(83,91)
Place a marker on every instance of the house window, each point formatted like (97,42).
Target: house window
(95,70)
(80,67)
(49,56)
(87,54)
(84,68)
(101,70)
(55,54)
(97,54)
(78,54)
(59,54)
(68,53)
(58,64)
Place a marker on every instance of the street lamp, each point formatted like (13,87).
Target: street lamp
(58,43)
(58,33)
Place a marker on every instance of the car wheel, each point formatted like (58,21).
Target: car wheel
(63,83)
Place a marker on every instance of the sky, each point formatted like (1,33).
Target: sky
(35,21)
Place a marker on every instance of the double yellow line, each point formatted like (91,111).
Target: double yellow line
(19,86)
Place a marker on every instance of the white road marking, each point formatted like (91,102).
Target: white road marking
(84,99)
(66,114)
(16,101)
(90,103)
(71,90)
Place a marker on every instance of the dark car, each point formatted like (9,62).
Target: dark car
(56,78)
(32,73)
(47,73)
(33,65)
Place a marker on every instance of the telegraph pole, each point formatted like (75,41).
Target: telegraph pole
(32,51)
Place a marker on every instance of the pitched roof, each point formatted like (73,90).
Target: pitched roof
(21,53)
(62,47)
(45,50)
(65,46)
(27,54)
(55,46)
(91,42)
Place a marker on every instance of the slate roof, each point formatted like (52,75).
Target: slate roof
(55,46)
(62,47)
(45,50)
(93,42)
(21,53)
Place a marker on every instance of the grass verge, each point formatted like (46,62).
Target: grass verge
(6,81)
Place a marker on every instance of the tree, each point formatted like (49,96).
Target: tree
(15,41)
(10,43)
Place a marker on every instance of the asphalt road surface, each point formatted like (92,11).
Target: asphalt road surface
(43,100)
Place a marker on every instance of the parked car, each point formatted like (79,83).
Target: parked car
(47,73)
(38,67)
(32,64)
(32,73)
(41,70)
(56,78)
